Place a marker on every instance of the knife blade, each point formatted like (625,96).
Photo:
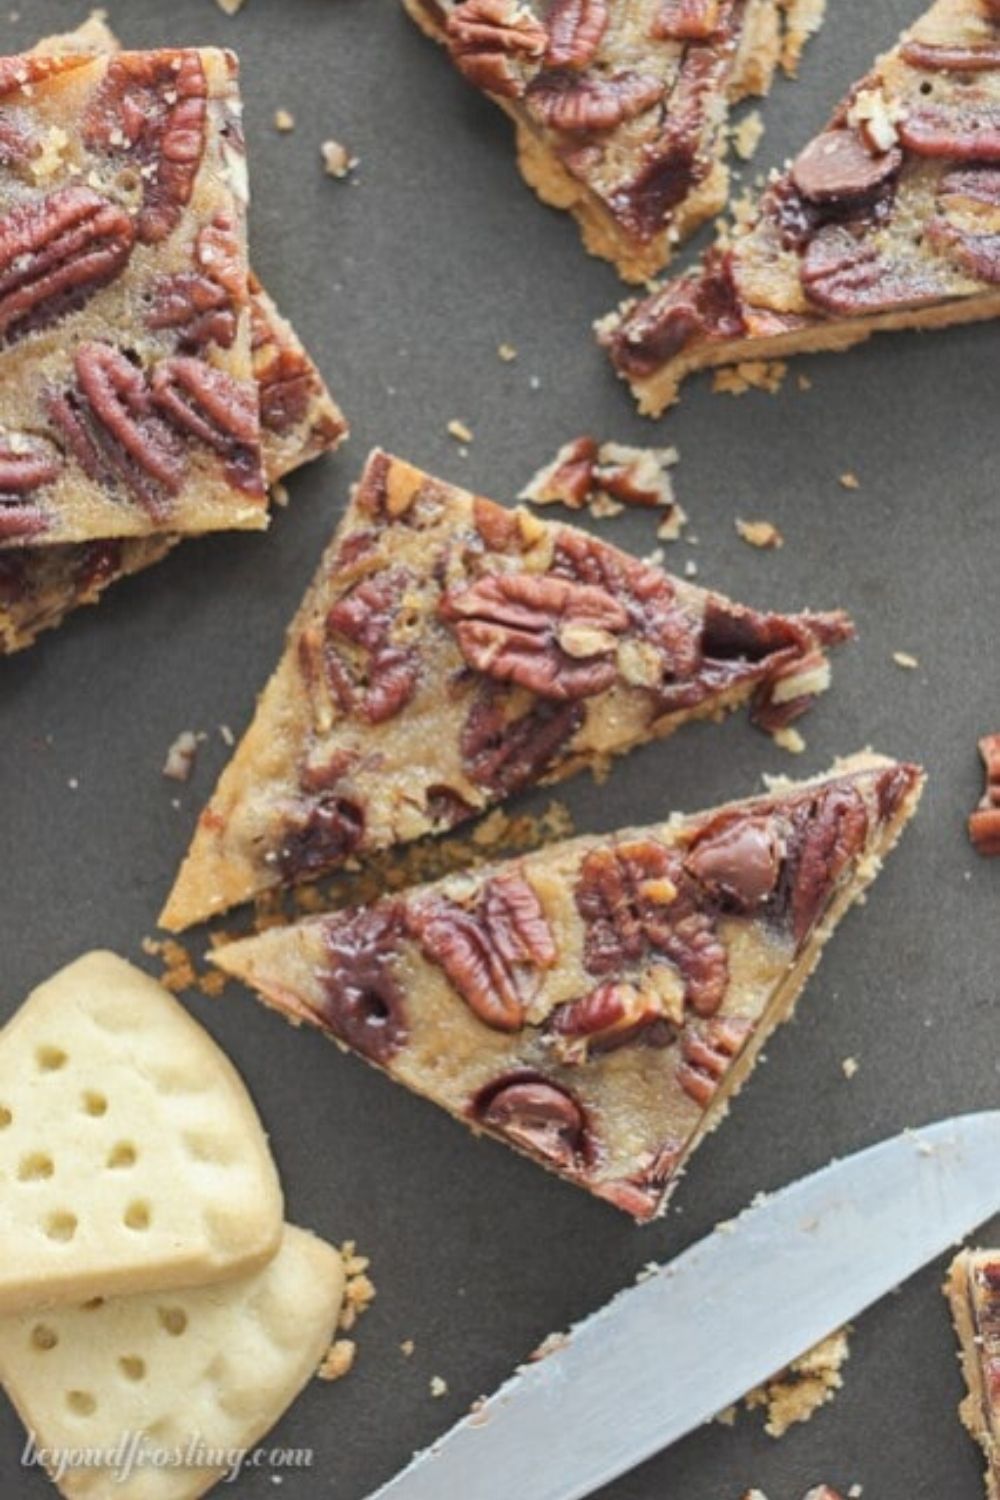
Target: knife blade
(666,1355)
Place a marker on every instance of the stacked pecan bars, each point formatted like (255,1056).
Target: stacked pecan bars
(151,390)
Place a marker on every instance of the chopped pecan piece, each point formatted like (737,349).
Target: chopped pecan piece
(364,1001)
(323,833)
(153,107)
(569,479)
(109,424)
(642,1194)
(637,897)
(837,167)
(707,1054)
(490,953)
(660,326)
(378,680)
(984,823)
(608,1017)
(200,305)
(965,132)
(26,466)
(576,28)
(494,43)
(504,754)
(688,20)
(55,253)
(575,105)
(556,638)
(537,1115)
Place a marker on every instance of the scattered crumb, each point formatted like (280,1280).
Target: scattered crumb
(284,120)
(181,756)
(459,431)
(850,1066)
(439,1386)
(337,160)
(407,1347)
(550,1343)
(727,1417)
(506,352)
(850,481)
(606,477)
(760,533)
(809,1382)
(905,660)
(789,739)
(360,1290)
(338,1360)
(226,735)
(803,18)
(690,568)
(747,135)
(230,7)
(179,971)
(752,375)
(74,783)
(279,494)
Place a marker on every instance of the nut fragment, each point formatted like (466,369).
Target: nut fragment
(494,44)
(984,822)
(707,1054)
(688,20)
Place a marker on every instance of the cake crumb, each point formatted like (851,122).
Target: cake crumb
(850,481)
(752,375)
(284,120)
(796,1393)
(228,7)
(789,739)
(338,1360)
(459,431)
(337,160)
(280,495)
(804,383)
(226,735)
(905,660)
(406,1348)
(506,352)
(360,1290)
(181,756)
(849,1067)
(747,135)
(690,568)
(549,1345)
(439,1386)
(760,533)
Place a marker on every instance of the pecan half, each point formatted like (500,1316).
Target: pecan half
(320,836)
(687,20)
(574,105)
(55,253)
(364,1002)
(539,1116)
(153,106)
(200,306)
(707,1054)
(490,952)
(967,132)
(556,638)
(984,822)
(494,43)
(846,274)
(968,229)
(576,28)
(108,423)
(837,167)
(503,754)
(944,59)
(827,830)
(636,897)
(379,677)
(218,410)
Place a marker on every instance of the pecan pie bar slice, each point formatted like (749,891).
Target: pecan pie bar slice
(890,218)
(620,108)
(451,652)
(127,402)
(40,586)
(596,1004)
(973,1289)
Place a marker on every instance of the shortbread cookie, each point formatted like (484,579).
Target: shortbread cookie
(122,207)
(452,652)
(620,109)
(597,1003)
(209,1366)
(130,1151)
(890,218)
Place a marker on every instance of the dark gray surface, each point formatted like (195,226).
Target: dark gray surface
(404,284)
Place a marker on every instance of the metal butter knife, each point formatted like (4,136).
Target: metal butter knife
(669,1353)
